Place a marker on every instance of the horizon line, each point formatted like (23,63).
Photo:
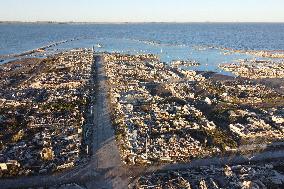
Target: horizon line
(137,22)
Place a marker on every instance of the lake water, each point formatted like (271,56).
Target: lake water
(170,41)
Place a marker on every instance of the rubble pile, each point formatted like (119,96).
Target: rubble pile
(167,114)
(205,177)
(42,113)
(256,69)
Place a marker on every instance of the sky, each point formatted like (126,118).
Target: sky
(143,10)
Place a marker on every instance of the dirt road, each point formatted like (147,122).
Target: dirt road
(105,169)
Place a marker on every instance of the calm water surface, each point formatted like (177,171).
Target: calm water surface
(170,41)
